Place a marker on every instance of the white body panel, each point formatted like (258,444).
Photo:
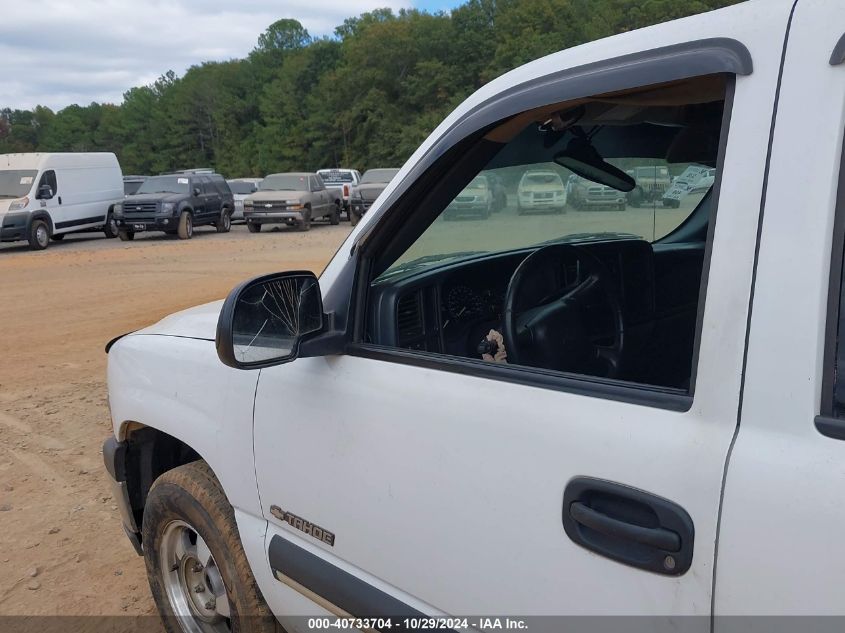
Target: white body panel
(453,506)
(781,548)
(88,186)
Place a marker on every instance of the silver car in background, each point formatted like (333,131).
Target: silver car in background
(241,188)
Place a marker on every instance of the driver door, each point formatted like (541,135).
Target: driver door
(400,481)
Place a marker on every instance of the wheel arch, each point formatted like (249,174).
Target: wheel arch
(149,453)
(40,214)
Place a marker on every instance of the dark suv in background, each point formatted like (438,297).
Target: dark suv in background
(175,204)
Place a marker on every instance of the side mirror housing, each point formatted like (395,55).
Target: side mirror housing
(264,320)
(45,192)
(197,192)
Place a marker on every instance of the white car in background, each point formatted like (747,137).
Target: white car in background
(541,190)
(341,182)
(241,189)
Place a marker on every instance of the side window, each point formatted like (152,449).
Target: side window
(576,245)
(49,179)
(316,183)
(205,185)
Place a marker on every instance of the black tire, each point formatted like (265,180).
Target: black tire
(636,197)
(520,210)
(252,227)
(186,226)
(622,207)
(58,238)
(110,229)
(354,218)
(39,235)
(305,223)
(334,218)
(126,236)
(192,496)
(224,222)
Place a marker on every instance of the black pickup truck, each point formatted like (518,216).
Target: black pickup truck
(175,204)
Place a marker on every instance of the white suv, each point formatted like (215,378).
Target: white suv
(633,413)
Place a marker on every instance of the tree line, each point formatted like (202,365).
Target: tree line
(365,97)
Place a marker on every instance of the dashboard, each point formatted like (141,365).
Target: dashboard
(450,308)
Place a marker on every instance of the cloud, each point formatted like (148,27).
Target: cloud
(59,52)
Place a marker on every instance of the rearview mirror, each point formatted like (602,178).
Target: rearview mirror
(263,321)
(582,159)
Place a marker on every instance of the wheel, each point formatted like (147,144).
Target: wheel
(186,226)
(224,223)
(198,573)
(39,235)
(334,218)
(636,197)
(520,210)
(110,229)
(253,228)
(305,223)
(126,236)
(354,218)
(622,206)
(57,238)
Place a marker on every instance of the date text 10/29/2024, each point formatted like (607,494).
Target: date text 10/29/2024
(421,624)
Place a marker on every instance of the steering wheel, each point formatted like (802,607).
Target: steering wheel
(545,324)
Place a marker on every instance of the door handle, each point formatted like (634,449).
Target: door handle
(60,199)
(628,525)
(652,537)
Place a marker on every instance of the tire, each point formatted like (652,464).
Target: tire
(334,218)
(305,224)
(110,229)
(622,207)
(39,235)
(253,228)
(520,210)
(636,197)
(191,542)
(186,226)
(57,238)
(224,223)
(354,218)
(126,236)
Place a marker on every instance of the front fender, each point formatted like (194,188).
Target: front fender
(179,386)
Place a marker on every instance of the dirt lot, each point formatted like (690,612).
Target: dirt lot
(58,309)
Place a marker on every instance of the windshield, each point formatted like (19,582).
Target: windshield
(542,179)
(336,177)
(16,183)
(379,176)
(165,184)
(131,186)
(242,188)
(284,182)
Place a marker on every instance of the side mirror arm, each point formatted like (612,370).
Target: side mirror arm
(329,342)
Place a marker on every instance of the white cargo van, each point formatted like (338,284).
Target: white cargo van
(44,196)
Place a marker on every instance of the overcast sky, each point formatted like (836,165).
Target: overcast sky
(59,52)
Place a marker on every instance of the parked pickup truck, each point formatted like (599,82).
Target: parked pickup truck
(373,182)
(583,194)
(666,438)
(293,199)
(341,182)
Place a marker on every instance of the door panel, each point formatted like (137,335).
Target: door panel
(781,539)
(445,491)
